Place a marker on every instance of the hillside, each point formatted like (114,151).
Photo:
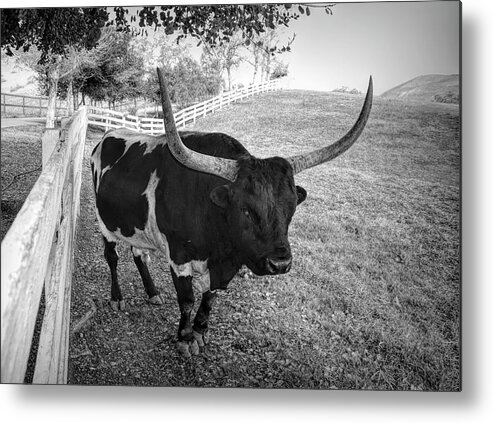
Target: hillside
(426,89)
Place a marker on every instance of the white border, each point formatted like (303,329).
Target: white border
(474,404)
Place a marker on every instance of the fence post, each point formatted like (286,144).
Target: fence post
(49,140)
(23,106)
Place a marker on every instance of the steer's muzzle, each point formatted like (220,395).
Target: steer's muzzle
(277,266)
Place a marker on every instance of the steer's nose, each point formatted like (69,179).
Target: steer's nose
(276,266)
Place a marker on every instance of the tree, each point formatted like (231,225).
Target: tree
(212,25)
(188,84)
(56,73)
(212,74)
(115,75)
(346,90)
(225,57)
(52,30)
(280,70)
(254,58)
(263,51)
(187,81)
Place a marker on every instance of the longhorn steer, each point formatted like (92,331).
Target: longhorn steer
(205,202)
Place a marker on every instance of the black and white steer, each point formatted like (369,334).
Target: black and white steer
(205,202)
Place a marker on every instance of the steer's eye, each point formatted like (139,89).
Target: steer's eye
(251,215)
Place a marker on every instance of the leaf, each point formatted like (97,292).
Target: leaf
(308,11)
(301,10)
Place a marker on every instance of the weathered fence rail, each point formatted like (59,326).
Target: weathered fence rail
(24,105)
(37,251)
(112,119)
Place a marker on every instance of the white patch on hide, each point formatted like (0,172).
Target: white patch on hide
(143,254)
(197,269)
(132,137)
(96,164)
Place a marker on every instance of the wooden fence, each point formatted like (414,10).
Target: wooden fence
(37,251)
(15,105)
(112,119)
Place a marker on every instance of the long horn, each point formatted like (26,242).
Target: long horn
(329,152)
(225,168)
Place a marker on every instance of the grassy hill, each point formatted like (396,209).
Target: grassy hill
(426,89)
(373,298)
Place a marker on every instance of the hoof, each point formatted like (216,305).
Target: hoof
(187,349)
(117,305)
(201,338)
(156,300)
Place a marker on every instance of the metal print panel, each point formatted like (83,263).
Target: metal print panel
(278,206)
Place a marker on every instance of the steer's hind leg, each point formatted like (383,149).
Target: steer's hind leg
(111,256)
(141,260)
(201,321)
(187,344)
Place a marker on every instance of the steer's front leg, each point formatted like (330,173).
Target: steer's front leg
(187,344)
(201,322)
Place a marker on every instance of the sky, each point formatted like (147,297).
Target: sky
(393,42)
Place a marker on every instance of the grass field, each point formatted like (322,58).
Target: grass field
(373,298)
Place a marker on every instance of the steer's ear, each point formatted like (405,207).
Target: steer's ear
(220,196)
(301,194)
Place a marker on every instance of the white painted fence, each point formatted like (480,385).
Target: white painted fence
(112,119)
(37,251)
(26,105)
